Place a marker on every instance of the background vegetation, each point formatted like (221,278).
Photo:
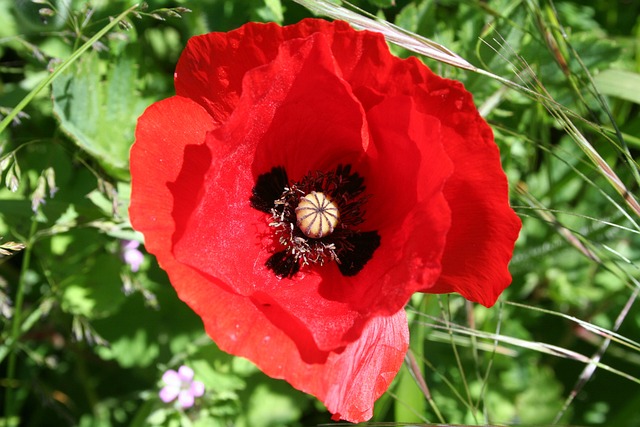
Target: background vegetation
(85,339)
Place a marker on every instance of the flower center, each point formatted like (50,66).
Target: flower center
(316,220)
(317,215)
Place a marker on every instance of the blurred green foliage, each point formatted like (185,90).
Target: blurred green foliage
(94,337)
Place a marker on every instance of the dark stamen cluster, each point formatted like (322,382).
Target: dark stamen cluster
(346,245)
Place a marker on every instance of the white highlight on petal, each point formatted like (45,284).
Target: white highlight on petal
(185,399)
(186,373)
(171,378)
(197,388)
(169,393)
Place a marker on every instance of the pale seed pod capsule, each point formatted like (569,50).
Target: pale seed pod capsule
(317,215)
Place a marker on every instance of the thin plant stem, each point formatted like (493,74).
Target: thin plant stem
(409,389)
(594,89)
(15,327)
(602,332)
(414,369)
(51,77)
(471,321)
(449,384)
(590,369)
(447,315)
(540,347)
(484,380)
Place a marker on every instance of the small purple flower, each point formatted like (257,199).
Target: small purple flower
(181,385)
(131,254)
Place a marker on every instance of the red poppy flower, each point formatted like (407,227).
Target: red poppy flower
(302,185)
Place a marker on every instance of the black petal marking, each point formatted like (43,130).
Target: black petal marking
(283,264)
(363,246)
(269,188)
(350,248)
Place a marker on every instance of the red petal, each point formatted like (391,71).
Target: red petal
(212,66)
(484,228)
(306,129)
(157,158)
(224,238)
(364,370)
(348,382)
(408,168)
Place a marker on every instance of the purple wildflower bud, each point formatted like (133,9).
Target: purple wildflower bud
(131,254)
(182,386)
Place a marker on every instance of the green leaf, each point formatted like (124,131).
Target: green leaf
(135,349)
(98,111)
(97,293)
(132,334)
(271,11)
(273,404)
(214,371)
(136,331)
(541,400)
(619,83)
(7,20)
